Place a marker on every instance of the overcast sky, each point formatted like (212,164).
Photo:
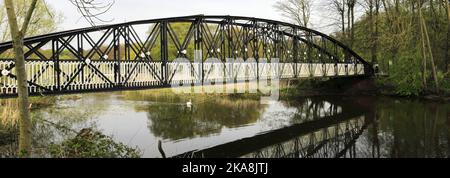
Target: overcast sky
(131,10)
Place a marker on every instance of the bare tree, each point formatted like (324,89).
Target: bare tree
(350,21)
(298,11)
(373,12)
(339,7)
(90,10)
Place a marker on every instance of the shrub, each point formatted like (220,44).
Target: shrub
(444,82)
(91,144)
(406,77)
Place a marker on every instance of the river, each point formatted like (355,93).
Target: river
(240,125)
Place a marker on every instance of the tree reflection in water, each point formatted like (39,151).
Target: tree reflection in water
(413,128)
(383,127)
(170,117)
(399,128)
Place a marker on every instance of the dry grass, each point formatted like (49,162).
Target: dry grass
(9,112)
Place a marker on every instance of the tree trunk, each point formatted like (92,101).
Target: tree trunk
(396,28)
(424,55)
(433,66)
(373,16)
(349,27)
(343,21)
(375,45)
(352,32)
(447,54)
(305,13)
(24,113)
(435,16)
(22,85)
(371,30)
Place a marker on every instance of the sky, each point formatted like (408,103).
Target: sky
(131,10)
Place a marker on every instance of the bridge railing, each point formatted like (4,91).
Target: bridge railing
(101,75)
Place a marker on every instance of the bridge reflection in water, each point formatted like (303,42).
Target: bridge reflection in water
(326,130)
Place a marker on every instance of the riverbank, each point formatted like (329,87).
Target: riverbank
(443,97)
(350,87)
(426,94)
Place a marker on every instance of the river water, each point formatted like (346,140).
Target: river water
(240,125)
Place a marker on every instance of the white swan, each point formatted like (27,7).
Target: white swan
(189,103)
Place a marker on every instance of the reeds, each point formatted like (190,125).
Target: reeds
(8,113)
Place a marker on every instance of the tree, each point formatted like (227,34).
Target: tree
(338,6)
(298,11)
(350,21)
(395,32)
(44,19)
(447,9)
(426,40)
(373,12)
(17,35)
(90,9)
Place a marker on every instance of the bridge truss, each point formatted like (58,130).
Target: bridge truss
(120,56)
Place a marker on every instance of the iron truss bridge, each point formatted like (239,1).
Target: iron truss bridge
(141,54)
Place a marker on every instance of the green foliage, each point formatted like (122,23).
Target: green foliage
(44,20)
(399,47)
(406,76)
(91,144)
(445,86)
(444,82)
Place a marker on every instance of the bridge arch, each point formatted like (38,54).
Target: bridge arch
(117,56)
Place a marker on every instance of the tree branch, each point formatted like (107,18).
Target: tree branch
(92,9)
(28,17)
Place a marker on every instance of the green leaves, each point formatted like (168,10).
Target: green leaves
(91,144)
(406,76)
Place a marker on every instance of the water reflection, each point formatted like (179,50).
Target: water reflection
(365,128)
(319,128)
(240,126)
(53,119)
(171,118)
(333,141)
(413,129)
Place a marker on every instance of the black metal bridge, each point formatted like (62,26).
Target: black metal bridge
(112,57)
